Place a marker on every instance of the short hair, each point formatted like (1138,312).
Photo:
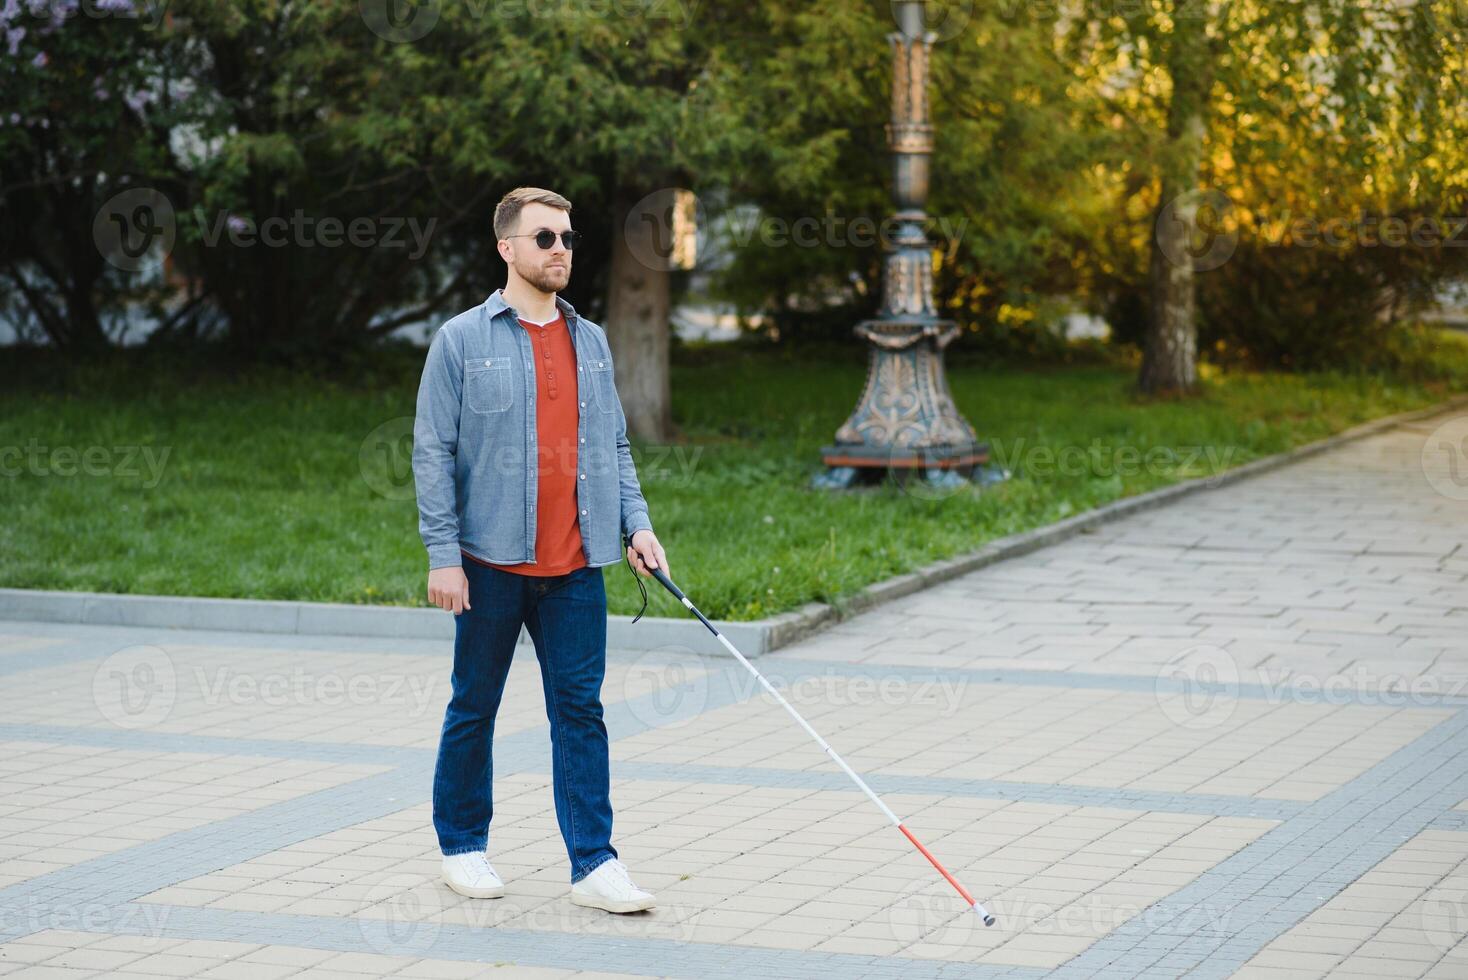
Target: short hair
(507,212)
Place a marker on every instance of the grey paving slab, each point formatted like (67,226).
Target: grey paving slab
(1232,731)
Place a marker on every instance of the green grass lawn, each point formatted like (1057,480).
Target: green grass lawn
(190,481)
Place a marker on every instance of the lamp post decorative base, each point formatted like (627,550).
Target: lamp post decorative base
(905,426)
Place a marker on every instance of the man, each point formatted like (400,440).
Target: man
(526,490)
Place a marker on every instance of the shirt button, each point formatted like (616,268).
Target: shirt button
(486,364)
(598,363)
(583,476)
(583,438)
(583,512)
(583,404)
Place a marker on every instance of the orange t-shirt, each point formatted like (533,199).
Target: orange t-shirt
(557,530)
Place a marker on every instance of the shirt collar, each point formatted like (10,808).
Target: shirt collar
(496,304)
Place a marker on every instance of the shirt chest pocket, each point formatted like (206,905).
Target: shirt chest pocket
(488,385)
(603,385)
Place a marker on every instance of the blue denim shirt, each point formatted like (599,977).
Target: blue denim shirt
(475,447)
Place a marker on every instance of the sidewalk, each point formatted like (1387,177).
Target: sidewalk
(1225,736)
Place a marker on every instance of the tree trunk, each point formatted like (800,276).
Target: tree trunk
(638,307)
(1170,359)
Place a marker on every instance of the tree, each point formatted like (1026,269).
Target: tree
(87,95)
(1236,110)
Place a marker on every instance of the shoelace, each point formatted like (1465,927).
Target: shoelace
(619,871)
(479,865)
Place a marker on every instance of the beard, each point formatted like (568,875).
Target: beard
(546,280)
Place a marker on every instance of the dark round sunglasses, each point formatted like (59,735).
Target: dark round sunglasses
(545,238)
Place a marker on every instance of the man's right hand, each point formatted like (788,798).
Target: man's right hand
(448,589)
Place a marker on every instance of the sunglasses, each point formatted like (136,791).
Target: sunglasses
(545,238)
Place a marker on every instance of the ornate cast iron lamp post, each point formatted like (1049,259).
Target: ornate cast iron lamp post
(905,422)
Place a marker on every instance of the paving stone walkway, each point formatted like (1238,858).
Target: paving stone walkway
(1225,737)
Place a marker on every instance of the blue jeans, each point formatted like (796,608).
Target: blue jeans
(566,616)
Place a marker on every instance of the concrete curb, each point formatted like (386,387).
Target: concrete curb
(339,619)
(752,637)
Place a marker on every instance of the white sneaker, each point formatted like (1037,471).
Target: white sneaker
(609,887)
(472,876)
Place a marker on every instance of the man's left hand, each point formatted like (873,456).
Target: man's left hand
(644,552)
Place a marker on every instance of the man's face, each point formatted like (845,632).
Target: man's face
(547,269)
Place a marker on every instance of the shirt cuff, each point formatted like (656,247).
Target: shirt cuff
(444,556)
(636,521)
